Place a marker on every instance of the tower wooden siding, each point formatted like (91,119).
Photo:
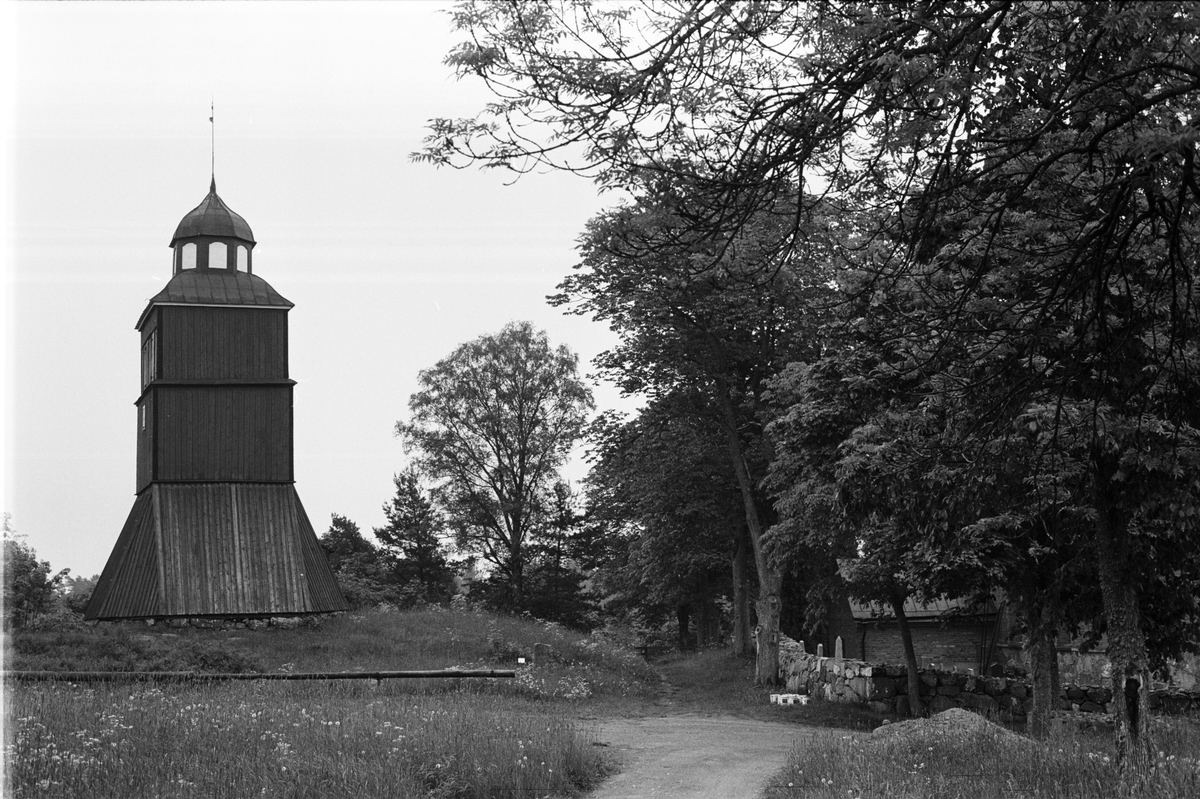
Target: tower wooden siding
(217,433)
(130,585)
(217,528)
(182,569)
(207,343)
(145,421)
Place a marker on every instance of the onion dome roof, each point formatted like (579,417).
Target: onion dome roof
(212,217)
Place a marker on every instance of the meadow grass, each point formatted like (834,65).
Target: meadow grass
(285,739)
(459,738)
(990,764)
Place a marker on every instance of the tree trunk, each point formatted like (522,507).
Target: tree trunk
(683,616)
(702,614)
(1042,650)
(741,597)
(769,606)
(516,570)
(770,578)
(915,706)
(1127,653)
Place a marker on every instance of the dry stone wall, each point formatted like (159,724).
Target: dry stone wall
(884,687)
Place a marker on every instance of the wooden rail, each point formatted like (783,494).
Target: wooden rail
(192,676)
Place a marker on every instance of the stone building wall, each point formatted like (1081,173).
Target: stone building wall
(884,687)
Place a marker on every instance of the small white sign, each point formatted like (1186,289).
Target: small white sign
(789,699)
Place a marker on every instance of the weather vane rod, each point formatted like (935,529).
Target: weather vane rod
(212,106)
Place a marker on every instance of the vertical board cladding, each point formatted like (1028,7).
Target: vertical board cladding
(240,550)
(145,440)
(319,577)
(200,342)
(129,586)
(224,433)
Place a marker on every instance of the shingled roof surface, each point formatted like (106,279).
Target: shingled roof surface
(212,217)
(219,287)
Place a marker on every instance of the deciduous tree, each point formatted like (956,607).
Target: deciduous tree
(664,477)
(29,584)
(491,424)
(1022,176)
(713,319)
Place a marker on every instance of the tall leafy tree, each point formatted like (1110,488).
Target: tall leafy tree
(713,319)
(492,423)
(412,537)
(563,556)
(29,584)
(1023,175)
(664,477)
(343,540)
(363,571)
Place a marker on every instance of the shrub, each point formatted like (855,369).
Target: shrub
(29,589)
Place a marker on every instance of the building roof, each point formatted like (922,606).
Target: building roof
(217,287)
(212,217)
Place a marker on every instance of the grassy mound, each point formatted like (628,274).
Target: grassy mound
(396,738)
(573,666)
(958,755)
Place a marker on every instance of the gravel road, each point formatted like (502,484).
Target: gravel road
(695,757)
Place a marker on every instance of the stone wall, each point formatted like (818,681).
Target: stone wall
(884,687)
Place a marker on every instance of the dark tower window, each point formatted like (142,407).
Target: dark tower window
(150,359)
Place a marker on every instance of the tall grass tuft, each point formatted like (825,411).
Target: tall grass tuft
(990,764)
(288,740)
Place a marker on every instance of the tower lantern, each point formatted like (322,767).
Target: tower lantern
(217,528)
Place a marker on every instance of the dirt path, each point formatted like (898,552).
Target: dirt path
(695,757)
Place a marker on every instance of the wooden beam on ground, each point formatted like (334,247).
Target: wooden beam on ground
(192,676)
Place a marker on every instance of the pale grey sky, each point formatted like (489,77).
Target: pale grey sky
(390,264)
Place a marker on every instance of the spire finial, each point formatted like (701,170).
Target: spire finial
(212,107)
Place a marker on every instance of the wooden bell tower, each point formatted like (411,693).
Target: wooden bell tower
(217,528)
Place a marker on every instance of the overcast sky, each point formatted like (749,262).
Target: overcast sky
(390,264)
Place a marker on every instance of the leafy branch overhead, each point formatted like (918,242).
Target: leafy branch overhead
(931,265)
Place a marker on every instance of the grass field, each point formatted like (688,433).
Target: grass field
(295,740)
(467,738)
(992,764)
(415,738)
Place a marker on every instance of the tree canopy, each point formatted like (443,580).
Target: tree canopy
(491,424)
(1003,195)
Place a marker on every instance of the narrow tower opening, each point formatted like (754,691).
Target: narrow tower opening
(218,255)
